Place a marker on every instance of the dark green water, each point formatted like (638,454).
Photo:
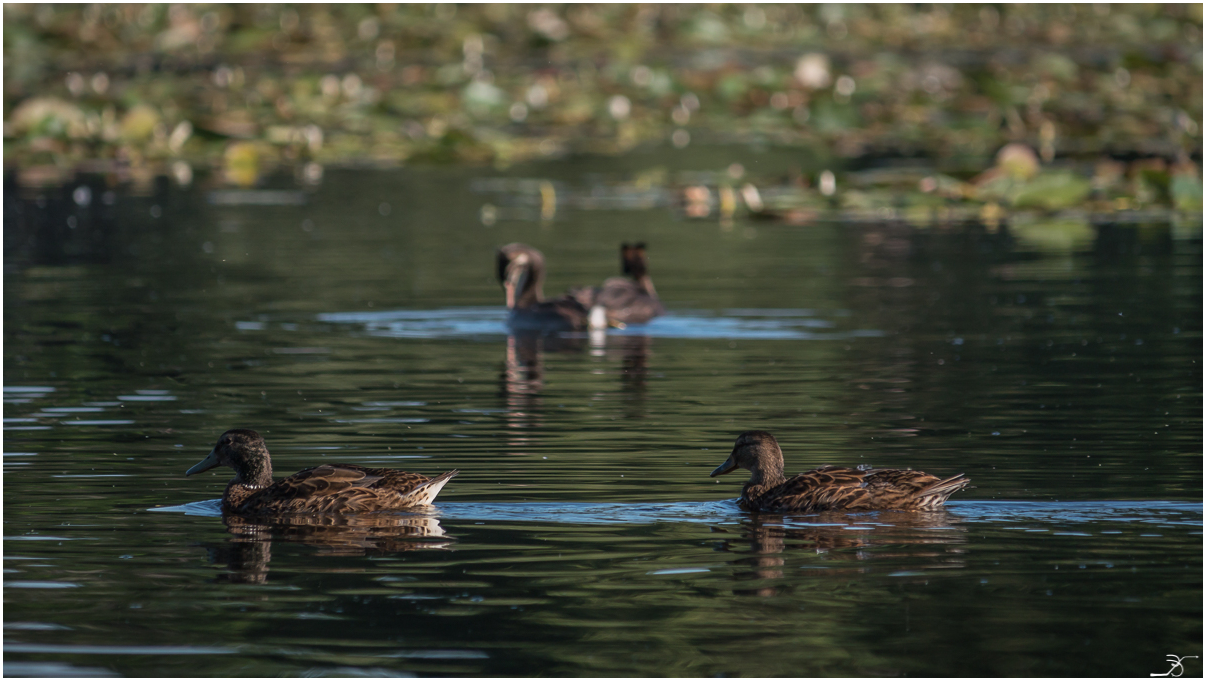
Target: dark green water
(583,536)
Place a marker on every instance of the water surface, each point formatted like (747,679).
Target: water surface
(583,535)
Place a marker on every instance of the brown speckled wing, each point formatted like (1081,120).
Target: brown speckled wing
(905,481)
(849,489)
(334,488)
(400,482)
(903,490)
(823,489)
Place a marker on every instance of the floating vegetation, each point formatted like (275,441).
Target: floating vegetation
(1015,107)
(1030,197)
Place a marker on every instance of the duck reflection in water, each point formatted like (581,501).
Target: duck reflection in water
(927,540)
(523,374)
(248,552)
(522,380)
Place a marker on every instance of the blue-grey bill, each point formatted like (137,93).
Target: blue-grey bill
(206,464)
(727,467)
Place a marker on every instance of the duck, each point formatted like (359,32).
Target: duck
(829,488)
(521,273)
(625,300)
(329,488)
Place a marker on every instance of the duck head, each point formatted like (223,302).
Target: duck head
(632,259)
(757,452)
(244,451)
(521,272)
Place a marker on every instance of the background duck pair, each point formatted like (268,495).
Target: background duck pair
(348,488)
(618,302)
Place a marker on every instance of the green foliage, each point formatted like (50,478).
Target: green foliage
(106,81)
(1186,192)
(1057,66)
(1065,235)
(830,117)
(732,87)
(1052,191)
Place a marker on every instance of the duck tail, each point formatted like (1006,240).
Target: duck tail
(937,493)
(426,492)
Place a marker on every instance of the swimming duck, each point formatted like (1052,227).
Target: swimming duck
(521,272)
(830,488)
(329,488)
(626,300)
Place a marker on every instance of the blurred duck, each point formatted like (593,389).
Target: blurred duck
(329,488)
(521,272)
(830,488)
(626,300)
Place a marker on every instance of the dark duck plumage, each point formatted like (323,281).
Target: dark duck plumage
(830,488)
(329,488)
(626,300)
(521,272)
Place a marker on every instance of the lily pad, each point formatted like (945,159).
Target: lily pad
(1053,191)
(242,162)
(1186,192)
(139,123)
(1063,235)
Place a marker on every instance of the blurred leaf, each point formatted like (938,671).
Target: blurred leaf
(732,87)
(1053,191)
(1151,181)
(994,185)
(709,28)
(482,96)
(46,116)
(455,145)
(139,123)
(1056,65)
(1186,192)
(829,116)
(241,163)
(1065,235)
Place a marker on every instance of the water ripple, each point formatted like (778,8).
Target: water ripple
(762,324)
(726,511)
(44,648)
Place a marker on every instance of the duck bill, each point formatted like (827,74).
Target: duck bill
(727,467)
(209,462)
(510,295)
(512,283)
